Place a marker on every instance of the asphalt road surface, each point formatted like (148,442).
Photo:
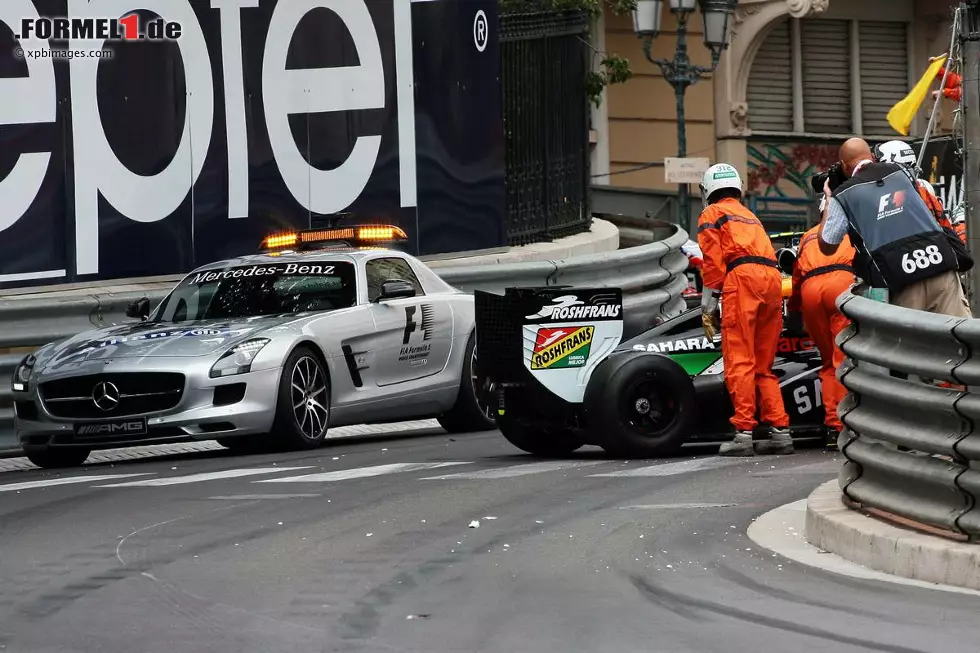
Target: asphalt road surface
(369,547)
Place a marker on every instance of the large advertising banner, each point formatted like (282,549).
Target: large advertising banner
(145,137)
(942,166)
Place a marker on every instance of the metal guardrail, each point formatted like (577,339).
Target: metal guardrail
(911,446)
(651,277)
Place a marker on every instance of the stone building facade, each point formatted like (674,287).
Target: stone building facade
(799,77)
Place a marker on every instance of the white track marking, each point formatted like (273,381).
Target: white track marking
(683,467)
(208,476)
(517,470)
(49,482)
(262,497)
(360,472)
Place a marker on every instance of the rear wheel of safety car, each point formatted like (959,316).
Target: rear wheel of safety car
(640,405)
(58,458)
(303,408)
(538,440)
(473,410)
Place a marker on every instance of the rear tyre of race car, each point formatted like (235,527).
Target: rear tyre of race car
(303,406)
(57,458)
(640,405)
(538,440)
(472,411)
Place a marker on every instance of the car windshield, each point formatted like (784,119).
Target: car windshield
(253,290)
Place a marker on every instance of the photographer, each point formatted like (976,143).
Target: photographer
(900,246)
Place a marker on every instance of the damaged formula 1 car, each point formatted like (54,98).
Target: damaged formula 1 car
(554,363)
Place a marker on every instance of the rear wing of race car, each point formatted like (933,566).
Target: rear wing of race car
(553,335)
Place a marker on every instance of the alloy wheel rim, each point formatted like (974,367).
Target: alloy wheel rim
(308,389)
(482,395)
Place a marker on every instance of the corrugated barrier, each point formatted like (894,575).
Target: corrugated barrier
(911,446)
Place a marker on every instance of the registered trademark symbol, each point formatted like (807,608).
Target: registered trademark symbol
(481,31)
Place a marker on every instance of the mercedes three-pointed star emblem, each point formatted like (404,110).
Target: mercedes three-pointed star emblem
(105,396)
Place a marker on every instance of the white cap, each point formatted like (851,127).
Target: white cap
(717,177)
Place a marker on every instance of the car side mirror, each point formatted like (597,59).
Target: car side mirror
(396,289)
(139,309)
(786,258)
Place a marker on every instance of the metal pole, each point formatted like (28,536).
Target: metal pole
(680,83)
(971,137)
(935,106)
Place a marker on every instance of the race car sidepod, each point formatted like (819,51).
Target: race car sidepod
(549,357)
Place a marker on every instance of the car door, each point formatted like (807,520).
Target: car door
(415,333)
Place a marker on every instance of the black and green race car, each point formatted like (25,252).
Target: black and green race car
(556,364)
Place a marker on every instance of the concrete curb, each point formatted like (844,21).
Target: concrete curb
(832,526)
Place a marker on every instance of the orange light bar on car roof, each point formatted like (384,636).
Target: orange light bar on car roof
(280,240)
(380,232)
(352,235)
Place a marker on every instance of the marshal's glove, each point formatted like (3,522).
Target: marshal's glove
(709,312)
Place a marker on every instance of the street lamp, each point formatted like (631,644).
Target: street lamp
(680,72)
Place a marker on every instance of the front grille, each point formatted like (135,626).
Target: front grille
(138,393)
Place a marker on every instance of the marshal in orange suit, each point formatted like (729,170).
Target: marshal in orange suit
(818,280)
(740,268)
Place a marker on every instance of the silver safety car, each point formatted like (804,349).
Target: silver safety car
(317,331)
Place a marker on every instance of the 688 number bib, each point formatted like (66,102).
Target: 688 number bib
(921,259)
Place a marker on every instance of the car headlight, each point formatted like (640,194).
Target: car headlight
(238,359)
(22,373)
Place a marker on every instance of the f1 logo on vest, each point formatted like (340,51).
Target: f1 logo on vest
(891,204)
(285,93)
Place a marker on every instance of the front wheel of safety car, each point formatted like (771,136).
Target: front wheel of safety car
(538,440)
(640,405)
(303,407)
(473,410)
(58,458)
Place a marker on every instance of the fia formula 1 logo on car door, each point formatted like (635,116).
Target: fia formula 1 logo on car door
(418,332)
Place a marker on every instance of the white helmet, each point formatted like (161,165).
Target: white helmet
(717,177)
(898,152)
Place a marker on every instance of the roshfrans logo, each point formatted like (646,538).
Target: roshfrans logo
(570,307)
(127,28)
(562,348)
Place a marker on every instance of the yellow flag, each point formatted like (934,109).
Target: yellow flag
(901,115)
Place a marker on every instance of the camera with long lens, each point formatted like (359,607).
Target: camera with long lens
(834,174)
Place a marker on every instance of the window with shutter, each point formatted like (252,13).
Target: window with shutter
(770,89)
(883,48)
(826,76)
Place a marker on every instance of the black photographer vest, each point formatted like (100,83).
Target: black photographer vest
(897,239)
